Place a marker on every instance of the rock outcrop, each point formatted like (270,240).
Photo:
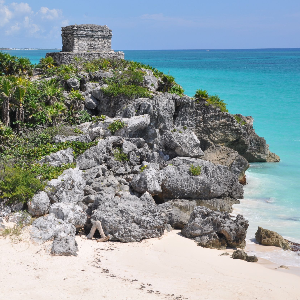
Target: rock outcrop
(213,229)
(241,254)
(271,238)
(130,219)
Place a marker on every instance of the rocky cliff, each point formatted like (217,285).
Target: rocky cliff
(157,160)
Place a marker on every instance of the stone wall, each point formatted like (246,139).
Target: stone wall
(86,38)
(65,58)
(87,41)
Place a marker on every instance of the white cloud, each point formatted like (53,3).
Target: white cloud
(18,18)
(13,29)
(50,14)
(5,14)
(21,8)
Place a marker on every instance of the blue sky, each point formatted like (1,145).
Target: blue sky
(163,24)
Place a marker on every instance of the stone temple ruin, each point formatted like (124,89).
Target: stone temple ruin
(86,41)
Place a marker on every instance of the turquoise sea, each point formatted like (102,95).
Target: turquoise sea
(264,84)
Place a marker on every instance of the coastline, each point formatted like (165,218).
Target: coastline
(170,267)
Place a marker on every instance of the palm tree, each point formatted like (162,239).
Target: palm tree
(7,89)
(20,92)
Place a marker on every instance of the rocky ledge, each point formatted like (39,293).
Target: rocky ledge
(159,162)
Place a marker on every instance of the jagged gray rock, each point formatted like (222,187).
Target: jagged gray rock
(70,213)
(182,143)
(221,155)
(91,102)
(84,138)
(21,218)
(214,229)
(46,228)
(67,188)
(64,246)
(2,226)
(59,158)
(73,84)
(4,210)
(127,219)
(176,182)
(39,205)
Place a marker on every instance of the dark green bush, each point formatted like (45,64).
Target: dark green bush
(130,91)
(215,101)
(12,65)
(201,94)
(19,185)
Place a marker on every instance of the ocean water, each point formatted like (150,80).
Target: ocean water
(264,84)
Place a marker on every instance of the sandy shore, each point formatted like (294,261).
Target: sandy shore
(171,267)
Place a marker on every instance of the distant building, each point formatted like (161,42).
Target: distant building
(86,41)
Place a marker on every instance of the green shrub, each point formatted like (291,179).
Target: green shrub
(12,65)
(239,120)
(201,94)
(130,91)
(96,119)
(119,155)
(76,95)
(215,101)
(115,126)
(19,185)
(195,170)
(177,89)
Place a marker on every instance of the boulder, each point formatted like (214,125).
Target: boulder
(177,182)
(147,181)
(91,102)
(70,213)
(178,212)
(73,84)
(182,143)
(220,155)
(46,228)
(128,219)
(64,246)
(39,205)
(241,254)
(67,188)
(59,158)
(271,238)
(214,229)
(150,81)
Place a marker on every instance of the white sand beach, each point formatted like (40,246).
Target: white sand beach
(171,267)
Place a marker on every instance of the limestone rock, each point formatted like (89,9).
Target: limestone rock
(183,143)
(20,218)
(2,226)
(241,254)
(127,219)
(69,213)
(67,188)
(59,158)
(91,102)
(176,181)
(150,81)
(73,84)
(214,229)
(39,205)
(46,228)
(64,246)
(221,155)
(84,138)
(271,238)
